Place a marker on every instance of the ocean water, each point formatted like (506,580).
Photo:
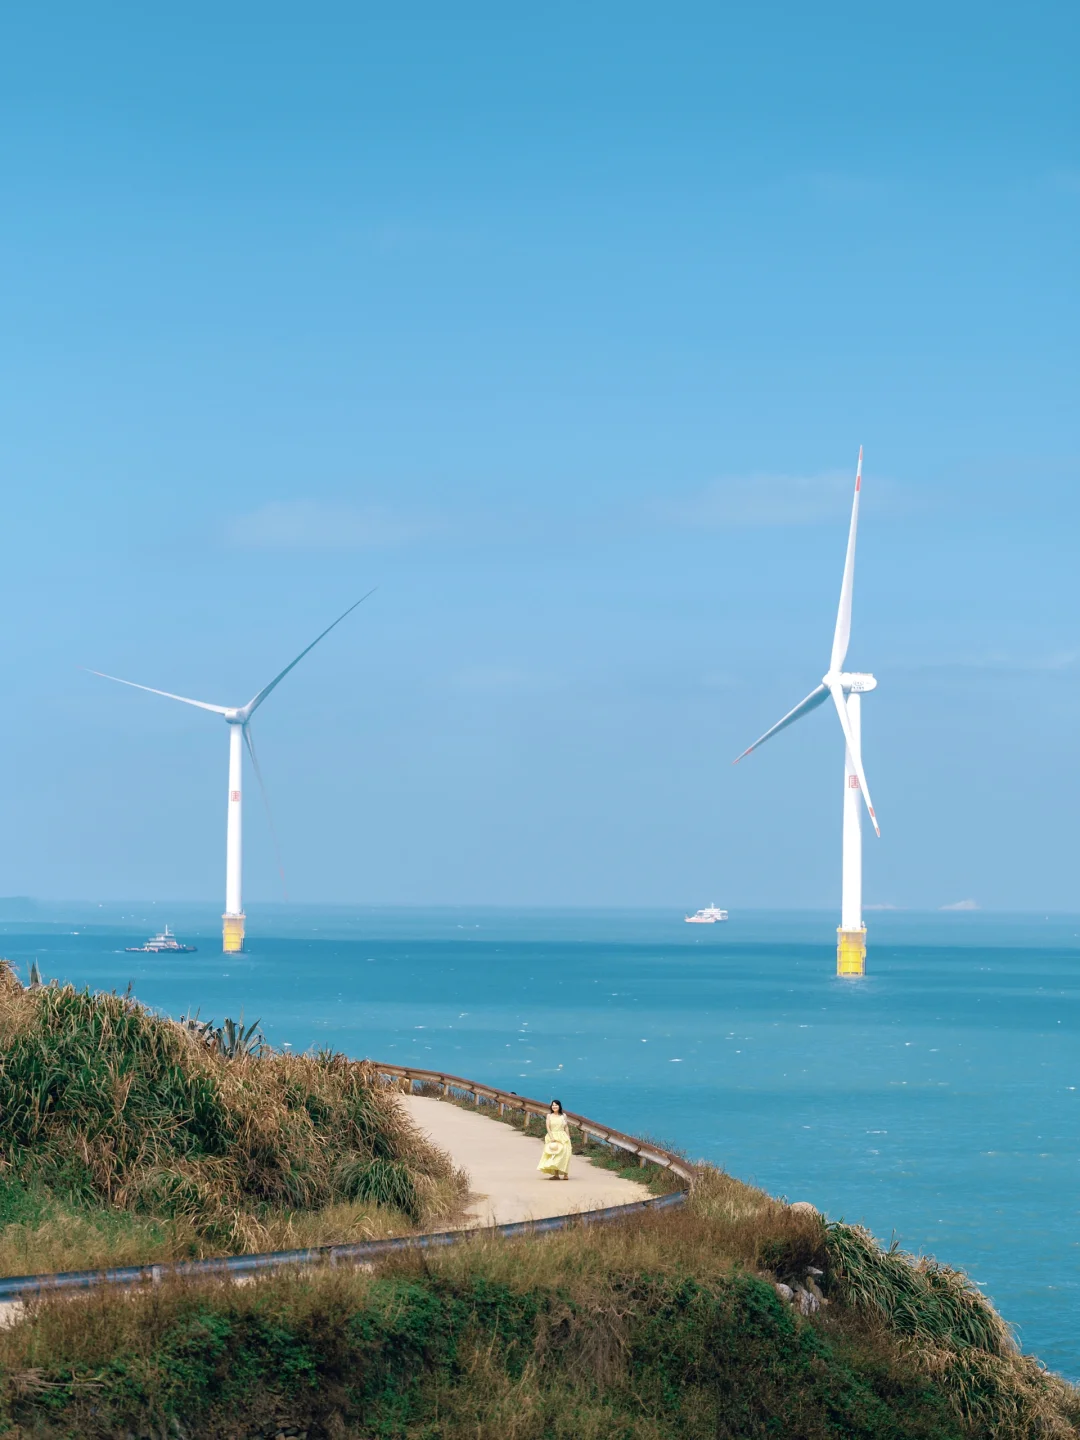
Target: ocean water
(936,1100)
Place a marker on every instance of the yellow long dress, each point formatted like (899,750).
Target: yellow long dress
(556,1157)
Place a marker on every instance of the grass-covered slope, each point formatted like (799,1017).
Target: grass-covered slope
(124,1137)
(664,1327)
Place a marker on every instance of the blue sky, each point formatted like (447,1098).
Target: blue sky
(563,327)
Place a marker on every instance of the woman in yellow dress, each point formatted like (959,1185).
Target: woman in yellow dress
(555,1161)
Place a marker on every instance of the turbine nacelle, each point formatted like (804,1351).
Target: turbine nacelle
(837,684)
(851,682)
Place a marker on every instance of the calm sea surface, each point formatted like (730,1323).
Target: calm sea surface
(937,1099)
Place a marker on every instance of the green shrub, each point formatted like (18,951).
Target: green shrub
(383,1182)
(929,1302)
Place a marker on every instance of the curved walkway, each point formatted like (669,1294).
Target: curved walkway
(504,1183)
(508,1194)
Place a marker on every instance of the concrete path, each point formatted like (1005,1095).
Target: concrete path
(504,1182)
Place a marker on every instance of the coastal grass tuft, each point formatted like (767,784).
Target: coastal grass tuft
(382,1182)
(124,1137)
(934,1305)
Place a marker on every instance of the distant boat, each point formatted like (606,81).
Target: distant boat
(708,916)
(164,944)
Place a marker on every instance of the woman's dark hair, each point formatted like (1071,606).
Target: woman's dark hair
(554,1103)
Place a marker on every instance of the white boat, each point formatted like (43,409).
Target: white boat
(708,916)
(165,943)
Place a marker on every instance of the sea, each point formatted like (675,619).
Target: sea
(935,1101)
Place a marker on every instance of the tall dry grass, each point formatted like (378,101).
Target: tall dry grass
(947,1330)
(123,1135)
(665,1324)
(932,1304)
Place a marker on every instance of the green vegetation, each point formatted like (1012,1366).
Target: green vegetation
(125,1138)
(663,1327)
(934,1305)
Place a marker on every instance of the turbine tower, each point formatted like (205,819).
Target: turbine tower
(238,720)
(846,689)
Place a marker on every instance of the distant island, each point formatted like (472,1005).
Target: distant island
(18,907)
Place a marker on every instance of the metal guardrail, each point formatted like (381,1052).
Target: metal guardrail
(20,1287)
(645,1153)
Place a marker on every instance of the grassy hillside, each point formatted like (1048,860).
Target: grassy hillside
(125,1137)
(664,1327)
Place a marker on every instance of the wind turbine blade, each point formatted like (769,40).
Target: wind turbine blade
(853,749)
(266,802)
(813,700)
(842,633)
(252,705)
(184,700)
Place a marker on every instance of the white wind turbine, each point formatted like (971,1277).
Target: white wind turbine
(239,722)
(846,689)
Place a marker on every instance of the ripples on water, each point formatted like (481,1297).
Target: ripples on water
(936,1099)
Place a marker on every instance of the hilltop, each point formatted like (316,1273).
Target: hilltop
(730,1317)
(126,1137)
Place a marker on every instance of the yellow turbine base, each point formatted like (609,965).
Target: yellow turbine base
(232,934)
(851,952)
